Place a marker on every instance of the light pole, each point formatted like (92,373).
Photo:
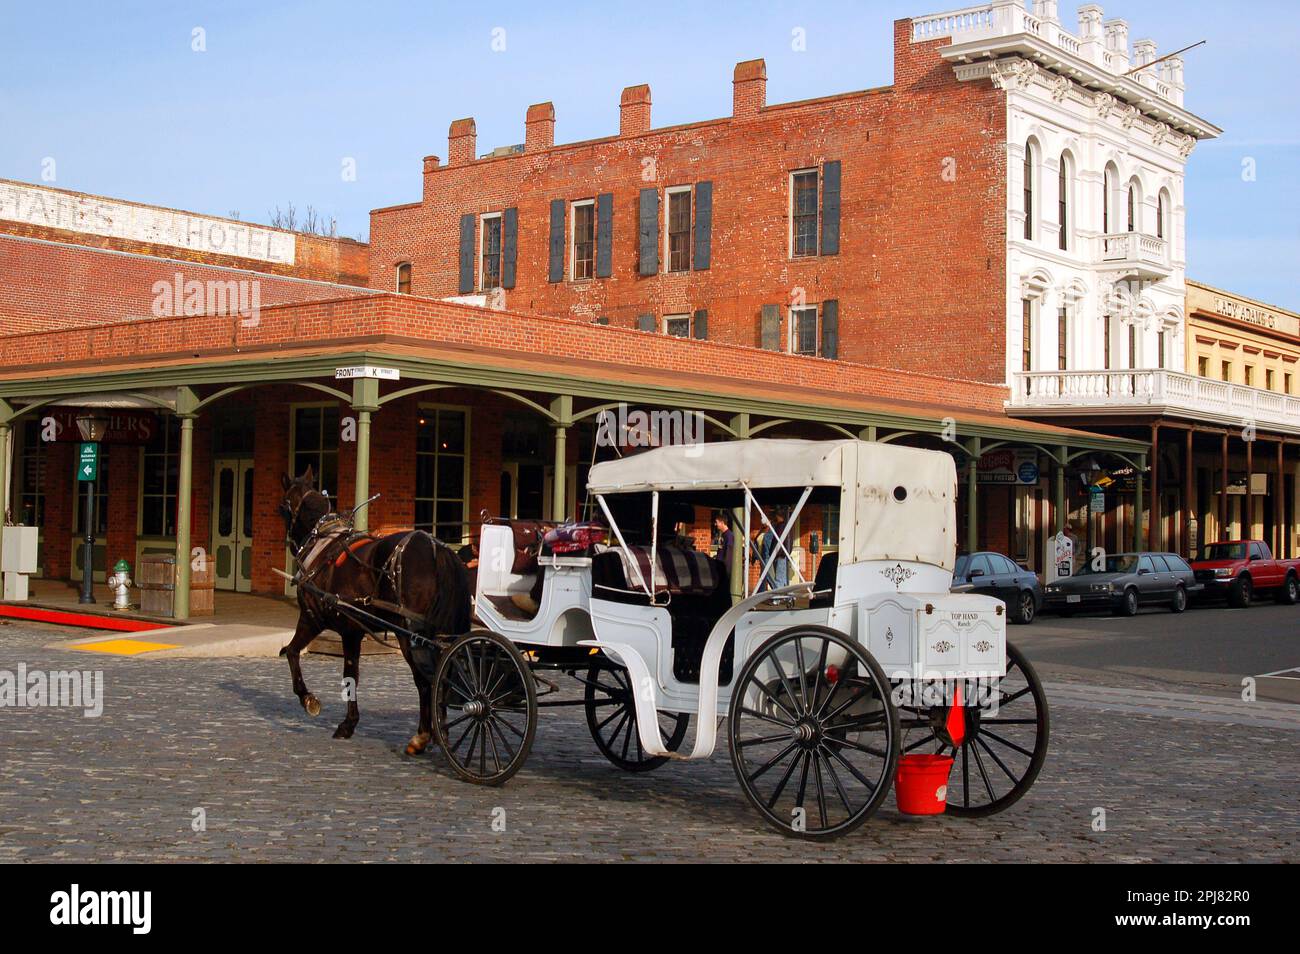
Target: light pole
(92,428)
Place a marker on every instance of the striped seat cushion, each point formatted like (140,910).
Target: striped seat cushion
(679,572)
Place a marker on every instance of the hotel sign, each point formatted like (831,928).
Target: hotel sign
(1253,314)
(92,215)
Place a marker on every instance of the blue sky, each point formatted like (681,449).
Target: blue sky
(286,91)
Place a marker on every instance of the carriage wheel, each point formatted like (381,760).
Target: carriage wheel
(1003,750)
(485,707)
(814,736)
(611,717)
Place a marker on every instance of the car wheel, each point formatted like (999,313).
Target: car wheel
(1289,592)
(1241,592)
(1179,602)
(1026,607)
(1128,603)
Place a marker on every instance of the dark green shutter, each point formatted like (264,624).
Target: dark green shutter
(604,235)
(830,329)
(703,225)
(645,322)
(700,326)
(648,232)
(771,327)
(557,241)
(831,208)
(509,247)
(466,254)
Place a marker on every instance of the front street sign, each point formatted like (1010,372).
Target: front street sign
(88,461)
(366,371)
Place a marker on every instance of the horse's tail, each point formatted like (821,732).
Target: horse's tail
(449,613)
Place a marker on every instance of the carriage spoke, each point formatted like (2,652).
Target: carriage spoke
(505,744)
(994,756)
(766,718)
(470,728)
(496,756)
(979,764)
(817,680)
(773,760)
(844,705)
(803,780)
(852,769)
(858,746)
(803,680)
(965,778)
(1008,722)
(1006,701)
(771,803)
(821,790)
(760,740)
(512,728)
(1009,744)
(839,786)
(920,742)
(622,710)
(775,701)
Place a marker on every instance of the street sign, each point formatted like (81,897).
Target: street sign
(88,461)
(366,371)
(1096,500)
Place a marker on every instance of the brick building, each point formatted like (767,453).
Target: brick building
(848,265)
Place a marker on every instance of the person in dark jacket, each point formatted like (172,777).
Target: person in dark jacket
(726,539)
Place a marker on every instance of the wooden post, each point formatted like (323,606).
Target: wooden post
(186,400)
(972,496)
(1137,503)
(562,408)
(1223,489)
(1189,488)
(738,568)
(1248,531)
(1153,527)
(365,400)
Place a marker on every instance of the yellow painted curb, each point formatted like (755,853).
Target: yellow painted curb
(122,647)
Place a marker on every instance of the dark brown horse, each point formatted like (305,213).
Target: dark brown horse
(407,579)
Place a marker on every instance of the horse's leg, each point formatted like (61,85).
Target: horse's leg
(302,637)
(351,669)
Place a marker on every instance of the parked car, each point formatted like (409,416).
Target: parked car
(1122,582)
(1240,569)
(996,575)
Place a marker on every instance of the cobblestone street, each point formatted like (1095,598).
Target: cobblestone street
(1177,781)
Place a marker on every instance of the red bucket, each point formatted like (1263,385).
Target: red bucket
(921,785)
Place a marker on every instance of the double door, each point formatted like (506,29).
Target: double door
(232,524)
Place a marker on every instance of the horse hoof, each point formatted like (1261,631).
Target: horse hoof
(311,704)
(343,732)
(417,744)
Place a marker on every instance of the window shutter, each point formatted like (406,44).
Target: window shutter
(604,234)
(557,240)
(831,208)
(645,322)
(830,329)
(771,327)
(648,232)
(700,324)
(703,225)
(466,253)
(509,244)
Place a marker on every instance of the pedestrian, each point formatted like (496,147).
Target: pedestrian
(779,574)
(726,539)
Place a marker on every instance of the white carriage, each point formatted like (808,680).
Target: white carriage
(821,684)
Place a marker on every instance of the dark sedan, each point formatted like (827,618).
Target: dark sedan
(1123,582)
(996,575)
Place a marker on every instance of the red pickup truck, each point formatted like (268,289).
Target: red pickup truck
(1240,569)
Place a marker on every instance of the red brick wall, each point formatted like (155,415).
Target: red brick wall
(48,286)
(921,273)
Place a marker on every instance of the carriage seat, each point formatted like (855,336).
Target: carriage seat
(824,580)
(677,571)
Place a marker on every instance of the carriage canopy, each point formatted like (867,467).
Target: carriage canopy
(896,503)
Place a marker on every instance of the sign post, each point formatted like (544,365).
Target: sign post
(87,471)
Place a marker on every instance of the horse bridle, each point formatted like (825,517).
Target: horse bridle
(292,514)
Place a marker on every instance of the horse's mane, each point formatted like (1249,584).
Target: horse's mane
(450,612)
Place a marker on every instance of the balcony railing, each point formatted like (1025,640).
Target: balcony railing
(1168,392)
(1136,254)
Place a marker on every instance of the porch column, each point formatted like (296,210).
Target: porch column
(4,469)
(1137,502)
(1189,487)
(740,428)
(972,495)
(1279,505)
(868,433)
(1153,528)
(562,408)
(1223,488)
(365,401)
(1059,518)
(1248,531)
(186,401)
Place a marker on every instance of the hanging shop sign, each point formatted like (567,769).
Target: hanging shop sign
(1008,466)
(124,427)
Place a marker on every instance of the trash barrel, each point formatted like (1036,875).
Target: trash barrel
(156,578)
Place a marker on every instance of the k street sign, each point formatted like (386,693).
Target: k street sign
(88,461)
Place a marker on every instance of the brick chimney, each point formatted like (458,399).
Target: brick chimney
(431,163)
(749,88)
(462,139)
(539,127)
(634,111)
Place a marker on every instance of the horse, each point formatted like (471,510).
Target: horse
(408,579)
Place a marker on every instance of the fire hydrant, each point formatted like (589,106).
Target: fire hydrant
(120,584)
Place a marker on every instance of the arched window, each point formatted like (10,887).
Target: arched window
(1132,206)
(404,278)
(1107,199)
(1162,210)
(1063,202)
(1029,189)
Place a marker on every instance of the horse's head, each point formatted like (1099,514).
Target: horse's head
(302,506)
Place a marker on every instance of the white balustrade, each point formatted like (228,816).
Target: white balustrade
(1172,392)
